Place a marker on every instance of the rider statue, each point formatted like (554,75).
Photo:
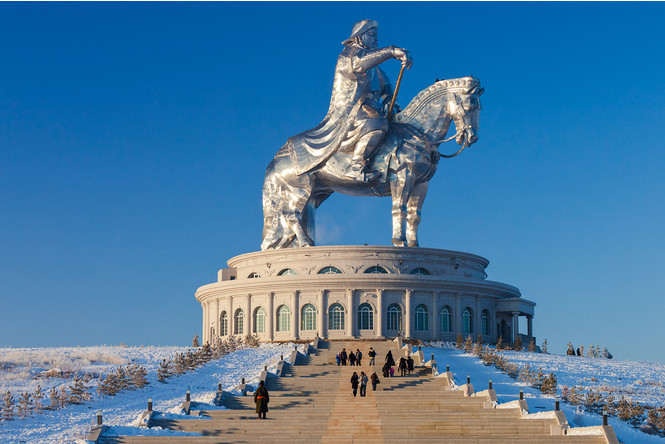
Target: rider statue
(356,119)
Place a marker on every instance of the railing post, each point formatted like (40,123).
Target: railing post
(150,404)
(99,417)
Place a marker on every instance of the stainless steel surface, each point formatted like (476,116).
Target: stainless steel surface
(355,150)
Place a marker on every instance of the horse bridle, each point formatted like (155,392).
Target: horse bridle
(461,130)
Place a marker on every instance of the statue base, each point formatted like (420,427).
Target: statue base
(363,292)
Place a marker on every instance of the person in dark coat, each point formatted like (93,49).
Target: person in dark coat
(359,357)
(386,370)
(354,383)
(352,358)
(402,366)
(389,359)
(261,398)
(339,360)
(343,356)
(375,380)
(409,363)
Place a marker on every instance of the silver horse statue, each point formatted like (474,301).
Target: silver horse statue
(406,160)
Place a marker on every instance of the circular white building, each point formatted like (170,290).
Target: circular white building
(341,292)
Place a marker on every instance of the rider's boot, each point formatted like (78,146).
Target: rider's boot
(358,169)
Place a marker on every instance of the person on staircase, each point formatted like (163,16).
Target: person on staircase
(359,356)
(390,361)
(363,384)
(261,398)
(386,370)
(375,380)
(402,367)
(338,359)
(352,358)
(343,356)
(354,383)
(409,363)
(372,355)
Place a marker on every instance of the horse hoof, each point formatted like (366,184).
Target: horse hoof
(413,244)
(398,242)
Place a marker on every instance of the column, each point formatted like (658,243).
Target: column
(477,323)
(350,325)
(270,316)
(217,322)
(435,317)
(295,328)
(248,314)
(231,317)
(379,313)
(407,315)
(321,314)
(458,325)
(515,326)
(529,323)
(204,330)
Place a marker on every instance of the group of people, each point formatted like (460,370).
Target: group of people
(362,381)
(405,366)
(355,359)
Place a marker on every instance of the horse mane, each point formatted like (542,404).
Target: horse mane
(435,92)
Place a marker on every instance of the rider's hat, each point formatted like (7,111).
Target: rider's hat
(359,28)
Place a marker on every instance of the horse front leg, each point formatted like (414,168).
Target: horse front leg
(413,210)
(400,190)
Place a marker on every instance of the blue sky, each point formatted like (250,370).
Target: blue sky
(134,138)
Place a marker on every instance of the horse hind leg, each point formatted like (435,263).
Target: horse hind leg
(413,211)
(400,191)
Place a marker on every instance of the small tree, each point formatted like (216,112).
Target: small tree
(459,343)
(206,352)
(122,378)
(8,405)
(499,343)
(532,345)
(54,397)
(37,397)
(468,344)
(78,391)
(24,405)
(164,371)
(139,376)
(548,385)
(64,397)
(518,343)
(108,386)
(571,349)
(195,341)
(544,346)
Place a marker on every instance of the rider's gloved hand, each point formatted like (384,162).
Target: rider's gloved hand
(403,56)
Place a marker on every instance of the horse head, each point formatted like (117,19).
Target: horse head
(464,107)
(432,110)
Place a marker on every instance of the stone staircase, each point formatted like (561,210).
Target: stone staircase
(312,402)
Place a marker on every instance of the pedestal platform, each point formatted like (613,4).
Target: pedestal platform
(343,292)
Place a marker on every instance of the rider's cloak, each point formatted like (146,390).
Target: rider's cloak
(356,108)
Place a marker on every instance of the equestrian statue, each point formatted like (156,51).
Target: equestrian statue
(366,145)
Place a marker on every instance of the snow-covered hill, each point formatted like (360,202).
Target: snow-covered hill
(22,369)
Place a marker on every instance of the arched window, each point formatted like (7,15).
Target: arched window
(446,319)
(467,320)
(336,317)
(394,317)
(377,269)
(420,271)
(365,317)
(308,317)
(330,270)
(259,320)
(287,272)
(485,322)
(223,324)
(421,318)
(253,275)
(239,320)
(283,318)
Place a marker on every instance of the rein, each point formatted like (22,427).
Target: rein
(424,139)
